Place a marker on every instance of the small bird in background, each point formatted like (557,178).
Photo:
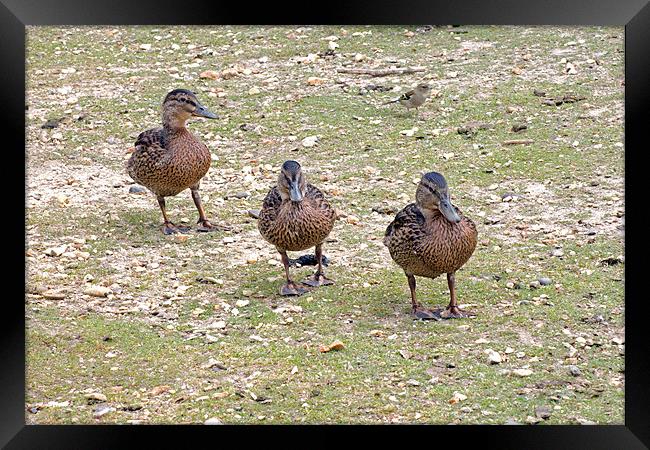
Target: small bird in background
(413,98)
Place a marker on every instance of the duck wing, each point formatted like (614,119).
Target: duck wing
(407,95)
(270,206)
(408,224)
(155,137)
(402,98)
(150,153)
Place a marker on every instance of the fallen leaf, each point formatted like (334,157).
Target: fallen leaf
(160,390)
(457,397)
(336,345)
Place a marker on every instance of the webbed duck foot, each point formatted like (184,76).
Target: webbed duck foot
(169,228)
(317,279)
(291,288)
(421,312)
(205,226)
(454,312)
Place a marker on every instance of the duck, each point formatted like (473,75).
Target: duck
(171,159)
(295,216)
(429,238)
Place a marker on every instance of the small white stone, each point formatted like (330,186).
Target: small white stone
(97,291)
(458,397)
(522,372)
(309,141)
(494,357)
(220,325)
(213,421)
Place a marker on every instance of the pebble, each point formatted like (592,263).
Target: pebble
(586,422)
(522,372)
(102,410)
(157,390)
(135,189)
(544,281)
(213,421)
(618,340)
(95,397)
(213,363)
(494,357)
(211,74)
(56,251)
(543,412)
(457,397)
(242,194)
(309,141)
(97,291)
(51,123)
(53,294)
(575,371)
(219,325)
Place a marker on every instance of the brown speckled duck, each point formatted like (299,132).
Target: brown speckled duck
(295,216)
(431,237)
(170,159)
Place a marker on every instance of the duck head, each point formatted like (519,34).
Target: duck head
(432,195)
(291,182)
(179,105)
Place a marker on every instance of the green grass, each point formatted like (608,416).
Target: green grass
(162,334)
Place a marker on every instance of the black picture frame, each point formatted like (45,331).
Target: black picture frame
(15,15)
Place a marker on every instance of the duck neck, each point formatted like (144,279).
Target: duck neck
(173,124)
(429,214)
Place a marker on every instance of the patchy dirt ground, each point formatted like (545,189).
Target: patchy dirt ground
(126,325)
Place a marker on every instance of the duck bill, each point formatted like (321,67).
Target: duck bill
(294,192)
(202,111)
(448,210)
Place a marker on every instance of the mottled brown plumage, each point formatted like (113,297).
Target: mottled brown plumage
(431,237)
(170,159)
(295,216)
